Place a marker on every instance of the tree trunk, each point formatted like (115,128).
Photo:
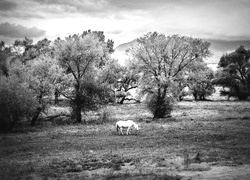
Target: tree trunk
(160,110)
(56,96)
(195,96)
(78,109)
(159,113)
(77,103)
(78,114)
(34,119)
(122,100)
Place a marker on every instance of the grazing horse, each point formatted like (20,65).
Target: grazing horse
(126,124)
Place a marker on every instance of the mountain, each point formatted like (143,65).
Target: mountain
(125,46)
(226,46)
(218,48)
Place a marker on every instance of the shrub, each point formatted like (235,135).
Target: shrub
(16,102)
(104,116)
(162,107)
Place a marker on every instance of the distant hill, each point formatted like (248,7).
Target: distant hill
(125,46)
(225,46)
(218,48)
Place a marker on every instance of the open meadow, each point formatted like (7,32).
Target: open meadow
(202,140)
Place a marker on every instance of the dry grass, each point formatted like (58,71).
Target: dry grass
(218,130)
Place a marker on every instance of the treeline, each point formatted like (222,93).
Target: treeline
(80,69)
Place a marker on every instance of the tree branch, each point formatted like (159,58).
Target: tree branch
(68,97)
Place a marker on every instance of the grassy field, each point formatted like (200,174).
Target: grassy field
(202,140)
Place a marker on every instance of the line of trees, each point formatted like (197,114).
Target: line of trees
(72,67)
(80,69)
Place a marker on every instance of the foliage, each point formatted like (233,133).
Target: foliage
(108,76)
(105,115)
(234,73)
(81,57)
(92,95)
(42,76)
(5,56)
(34,67)
(101,37)
(25,50)
(16,102)
(163,108)
(128,80)
(200,81)
(163,61)
(119,79)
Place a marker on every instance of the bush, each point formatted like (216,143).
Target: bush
(160,108)
(16,102)
(104,116)
(241,92)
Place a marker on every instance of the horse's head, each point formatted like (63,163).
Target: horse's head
(136,126)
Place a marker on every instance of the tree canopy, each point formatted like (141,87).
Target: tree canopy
(164,60)
(234,73)
(81,56)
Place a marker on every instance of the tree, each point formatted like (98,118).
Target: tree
(120,79)
(127,81)
(101,37)
(5,57)
(80,55)
(42,77)
(200,81)
(44,47)
(16,101)
(163,61)
(108,75)
(25,50)
(234,73)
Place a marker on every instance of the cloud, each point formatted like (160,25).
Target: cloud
(223,19)
(91,7)
(98,8)
(7,5)
(19,31)
(203,19)
(114,32)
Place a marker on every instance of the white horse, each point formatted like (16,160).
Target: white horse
(126,124)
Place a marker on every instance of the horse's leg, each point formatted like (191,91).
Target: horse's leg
(121,131)
(117,128)
(128,130)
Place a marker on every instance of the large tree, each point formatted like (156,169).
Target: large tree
(42,76)
(81,56)
(234,73)
(163,60)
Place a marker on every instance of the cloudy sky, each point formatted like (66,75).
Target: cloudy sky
(124,20)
